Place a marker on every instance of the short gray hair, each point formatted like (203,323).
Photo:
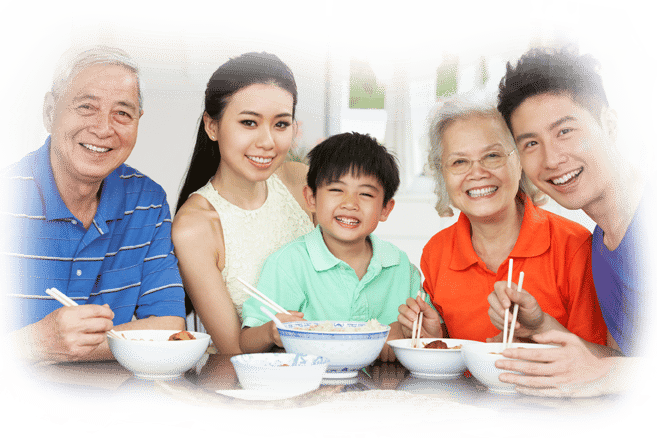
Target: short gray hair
(76,59)
(461,107)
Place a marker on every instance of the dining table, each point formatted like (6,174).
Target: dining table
(383,397)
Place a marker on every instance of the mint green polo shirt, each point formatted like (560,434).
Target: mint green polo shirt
(303,275)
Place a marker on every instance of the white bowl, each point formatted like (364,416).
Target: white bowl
(431,363)
(480,359)
(281,372)
(347,351)
(150,355)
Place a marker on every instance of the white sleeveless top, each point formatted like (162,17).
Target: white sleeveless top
(250,236)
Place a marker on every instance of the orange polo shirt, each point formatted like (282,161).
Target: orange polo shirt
(554,253)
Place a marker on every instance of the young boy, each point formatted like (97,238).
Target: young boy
(339,271)
(555,106)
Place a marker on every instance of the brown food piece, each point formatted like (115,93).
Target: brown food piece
(183,335)
(437,345)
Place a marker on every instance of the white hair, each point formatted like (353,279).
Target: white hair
(73,61)
(461,107)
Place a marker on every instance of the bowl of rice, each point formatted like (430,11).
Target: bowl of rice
(348,345)
(155,354)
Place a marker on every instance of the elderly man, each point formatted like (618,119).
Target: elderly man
(82,221)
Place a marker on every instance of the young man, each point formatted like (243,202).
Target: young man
(82,221)
(555,105)
(339,271)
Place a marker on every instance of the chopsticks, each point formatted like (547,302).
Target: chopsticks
(264,299)
(506,312)
(515,308)
(68,302)
(417,326)
(506,340)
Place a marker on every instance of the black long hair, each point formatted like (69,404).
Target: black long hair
(235,74)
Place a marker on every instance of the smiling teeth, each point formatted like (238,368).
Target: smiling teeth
(481,192)
(260,160)
(347,221)
(567,177)
(94,148)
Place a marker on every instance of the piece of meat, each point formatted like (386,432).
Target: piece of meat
(438,344)
(183,335)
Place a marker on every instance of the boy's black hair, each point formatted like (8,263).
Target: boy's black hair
(554,71)
(352,152)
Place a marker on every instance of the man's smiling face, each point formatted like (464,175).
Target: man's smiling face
(563,148)
(95,124)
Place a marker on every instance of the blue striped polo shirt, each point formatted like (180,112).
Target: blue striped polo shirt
(124,259)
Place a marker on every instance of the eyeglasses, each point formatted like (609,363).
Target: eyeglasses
(492,160)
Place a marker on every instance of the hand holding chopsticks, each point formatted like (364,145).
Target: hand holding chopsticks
(417,326)
(506,340)
(68,302)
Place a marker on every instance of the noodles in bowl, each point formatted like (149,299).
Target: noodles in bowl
(348,345)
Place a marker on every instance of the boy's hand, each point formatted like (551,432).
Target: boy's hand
(409,312)
(387,354)
(273,331)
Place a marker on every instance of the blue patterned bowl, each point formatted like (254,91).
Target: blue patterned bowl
(347,351)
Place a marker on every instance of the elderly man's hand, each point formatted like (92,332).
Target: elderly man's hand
(72,333)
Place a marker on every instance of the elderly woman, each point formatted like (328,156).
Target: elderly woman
(476,170)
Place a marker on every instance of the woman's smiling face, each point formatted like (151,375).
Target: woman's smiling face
(480,193)
(563,148)
(255,131)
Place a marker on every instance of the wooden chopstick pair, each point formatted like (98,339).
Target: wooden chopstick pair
(264,299)
(68,302)
(417,326)
(506,340)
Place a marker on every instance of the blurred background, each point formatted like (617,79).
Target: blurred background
(359,66)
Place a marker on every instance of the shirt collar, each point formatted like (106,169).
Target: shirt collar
(322,259)
(533,240)
(112,197)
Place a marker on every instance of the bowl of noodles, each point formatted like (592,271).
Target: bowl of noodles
(158,354)
(348,345)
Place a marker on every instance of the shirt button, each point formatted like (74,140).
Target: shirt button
(74,222)
(79,272)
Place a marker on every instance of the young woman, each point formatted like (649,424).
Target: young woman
(241,200)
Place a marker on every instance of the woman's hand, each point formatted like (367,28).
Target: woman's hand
(531,318)
(273,331)
(409,312)
(569,371)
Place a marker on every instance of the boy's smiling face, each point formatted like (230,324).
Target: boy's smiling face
(349,209)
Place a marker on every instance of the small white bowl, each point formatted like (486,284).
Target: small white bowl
(431,363)
(150,355)
(480,359)
(347,351)
(279,372)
